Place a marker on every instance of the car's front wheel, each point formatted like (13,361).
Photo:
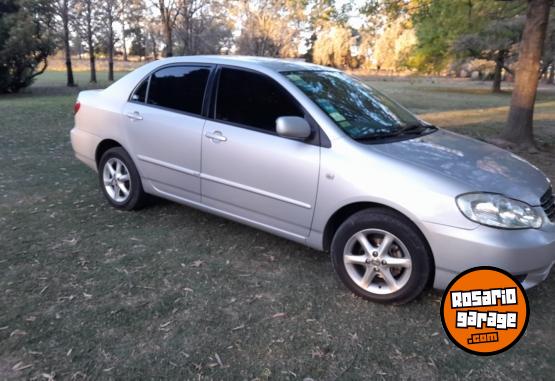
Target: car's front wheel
(381,256)
(119,180)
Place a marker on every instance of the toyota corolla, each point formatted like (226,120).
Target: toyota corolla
(318,157)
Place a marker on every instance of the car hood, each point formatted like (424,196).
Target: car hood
(480,166)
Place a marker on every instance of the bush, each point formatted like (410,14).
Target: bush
(25,42)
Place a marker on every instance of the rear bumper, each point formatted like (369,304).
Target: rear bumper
(84,145)
(528,254)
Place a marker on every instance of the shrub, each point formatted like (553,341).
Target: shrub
(25,42)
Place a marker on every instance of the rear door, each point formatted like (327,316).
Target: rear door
(247,169)
(164,127)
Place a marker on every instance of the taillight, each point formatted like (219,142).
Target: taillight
(76,107)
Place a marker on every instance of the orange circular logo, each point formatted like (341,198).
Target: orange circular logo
(484,311)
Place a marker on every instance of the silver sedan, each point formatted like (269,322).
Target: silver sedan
(313,155)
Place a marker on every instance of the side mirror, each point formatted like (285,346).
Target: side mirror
(293,127)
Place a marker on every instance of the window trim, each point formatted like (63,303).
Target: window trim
(206,95)
(317,136)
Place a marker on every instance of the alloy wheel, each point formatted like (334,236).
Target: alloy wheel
(377,261)
(117,181)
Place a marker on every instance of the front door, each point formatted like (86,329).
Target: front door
(247,169)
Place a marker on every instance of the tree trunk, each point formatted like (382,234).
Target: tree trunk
(67,48)
(168,22)
(498,75)
(92,58)
(518,130)
(168,51)
(551,78)
(154,47)
(125,57)
(124,41)
(110,48)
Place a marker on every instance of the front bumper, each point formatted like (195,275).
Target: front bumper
(528,254)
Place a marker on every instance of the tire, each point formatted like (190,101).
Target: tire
(381,256)
(122,176)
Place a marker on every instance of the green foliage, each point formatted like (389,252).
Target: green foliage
(138,43)
(497,36)
(437,26)
(440,23)
(25,42)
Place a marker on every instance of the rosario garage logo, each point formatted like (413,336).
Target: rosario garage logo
(484,311)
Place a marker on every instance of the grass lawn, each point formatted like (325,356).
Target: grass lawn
(88,292)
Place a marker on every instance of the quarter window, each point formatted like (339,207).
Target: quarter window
(140,94)
(179,88)
(252,99)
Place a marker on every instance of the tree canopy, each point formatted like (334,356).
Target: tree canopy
(25,42)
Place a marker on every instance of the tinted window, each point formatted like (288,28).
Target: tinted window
(358,109)
(253,100)
(140,93)
(180,88)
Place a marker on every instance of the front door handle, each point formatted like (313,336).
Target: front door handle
(216,136)
(135,115)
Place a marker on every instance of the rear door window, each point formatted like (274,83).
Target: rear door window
(179,88)
(253,100)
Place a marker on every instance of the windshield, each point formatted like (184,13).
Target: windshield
(356,108)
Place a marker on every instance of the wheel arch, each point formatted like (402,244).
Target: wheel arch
(343,213)
(104,146)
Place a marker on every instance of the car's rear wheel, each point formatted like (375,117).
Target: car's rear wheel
(119,180)
(381,256)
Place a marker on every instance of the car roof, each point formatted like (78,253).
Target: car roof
(121,89)
(274,64)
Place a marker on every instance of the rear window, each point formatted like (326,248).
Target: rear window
(179,88)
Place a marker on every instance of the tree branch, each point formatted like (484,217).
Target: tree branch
(45,61)
(509,70)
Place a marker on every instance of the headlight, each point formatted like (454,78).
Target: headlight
(498,211)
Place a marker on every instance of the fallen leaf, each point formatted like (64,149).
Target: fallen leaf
(197,263)
(78,374)
(70,242)
(219,360)
(289,372)
(20,366)
(49,377)
(18,332)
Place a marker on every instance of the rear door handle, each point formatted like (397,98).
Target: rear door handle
(216,136)
(135,115)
